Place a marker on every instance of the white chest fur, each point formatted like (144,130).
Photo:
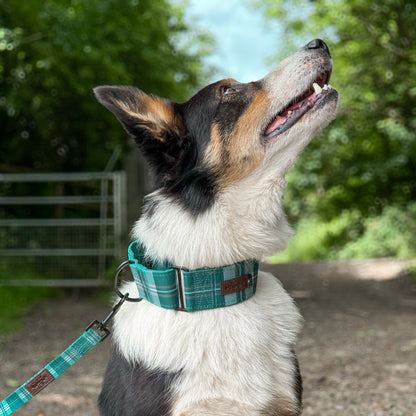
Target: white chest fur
(243,352)
(246,222)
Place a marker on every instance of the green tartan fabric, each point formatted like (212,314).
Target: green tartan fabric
(190,290)
(50,372)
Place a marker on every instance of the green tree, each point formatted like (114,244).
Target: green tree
(53,52)
(356,183)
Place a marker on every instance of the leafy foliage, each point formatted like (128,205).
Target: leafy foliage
(364,168)
(53,52)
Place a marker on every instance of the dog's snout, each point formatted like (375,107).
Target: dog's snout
(318,44)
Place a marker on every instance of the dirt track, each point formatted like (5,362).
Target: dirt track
(357,351)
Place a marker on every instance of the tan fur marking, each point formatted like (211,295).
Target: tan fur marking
(214,151)
(248,121)
(126,108)
(159,110)
(245,147)
(153,113)
(237,157)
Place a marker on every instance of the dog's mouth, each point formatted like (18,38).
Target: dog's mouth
(295,109)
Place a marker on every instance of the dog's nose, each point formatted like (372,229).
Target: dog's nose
(318,44)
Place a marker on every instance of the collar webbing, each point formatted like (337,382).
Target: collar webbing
(206,288)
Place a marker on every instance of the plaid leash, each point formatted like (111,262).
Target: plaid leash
(94,333)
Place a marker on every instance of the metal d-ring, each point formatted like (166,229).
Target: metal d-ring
(116,289)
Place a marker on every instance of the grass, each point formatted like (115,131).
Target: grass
(15,303)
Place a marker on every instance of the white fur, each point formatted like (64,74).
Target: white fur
(241,352)
(246,222)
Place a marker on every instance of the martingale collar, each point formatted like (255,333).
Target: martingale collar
(191,290)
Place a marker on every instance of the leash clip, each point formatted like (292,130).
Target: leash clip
(101,327)
(98,327)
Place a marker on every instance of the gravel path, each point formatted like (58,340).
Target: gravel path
(357,351)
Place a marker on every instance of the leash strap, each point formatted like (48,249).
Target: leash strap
(94,333)
(51,371)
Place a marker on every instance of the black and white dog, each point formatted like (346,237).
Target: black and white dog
(219,162)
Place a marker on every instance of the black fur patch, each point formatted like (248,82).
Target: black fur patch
(199,113)
(230,110)
(135,390)
(298,380)
(195,190)
(193,184)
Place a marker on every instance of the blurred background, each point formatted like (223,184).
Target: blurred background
(71,183)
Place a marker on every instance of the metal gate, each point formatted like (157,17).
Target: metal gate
(60,229)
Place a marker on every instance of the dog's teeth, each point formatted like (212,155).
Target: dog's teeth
(289,112)
(325,87)
(317,88)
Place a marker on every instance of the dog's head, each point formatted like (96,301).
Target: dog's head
(229,130)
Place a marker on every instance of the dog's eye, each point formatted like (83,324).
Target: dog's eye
(229,90)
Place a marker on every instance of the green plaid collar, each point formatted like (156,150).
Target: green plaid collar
(191,290)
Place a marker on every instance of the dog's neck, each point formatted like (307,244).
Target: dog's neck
(246,221)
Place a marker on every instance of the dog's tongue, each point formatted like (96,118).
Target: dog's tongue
(278,121)
(294,111)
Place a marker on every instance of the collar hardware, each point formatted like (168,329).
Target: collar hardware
(181,289)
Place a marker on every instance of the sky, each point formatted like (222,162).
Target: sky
(244,38)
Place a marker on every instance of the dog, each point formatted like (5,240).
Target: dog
(219,163)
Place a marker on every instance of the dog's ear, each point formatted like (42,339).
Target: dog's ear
(141,114)
(157,128)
